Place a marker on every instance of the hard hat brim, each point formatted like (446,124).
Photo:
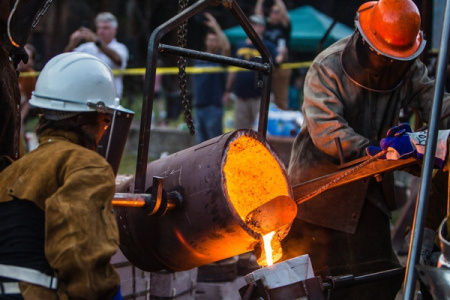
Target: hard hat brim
(70,105)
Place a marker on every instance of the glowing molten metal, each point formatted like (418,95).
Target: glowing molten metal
(268,248)
(233,191)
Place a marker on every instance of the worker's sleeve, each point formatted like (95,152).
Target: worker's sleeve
(82,233)
(420,94)
(324,113)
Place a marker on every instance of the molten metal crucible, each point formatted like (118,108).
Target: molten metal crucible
(221,182)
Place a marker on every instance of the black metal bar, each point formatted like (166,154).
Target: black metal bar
(266,58)
(428,164)
(265,101)
(313,288)
(248,292)
(335,21)
(262,67)
(344,281)
(379,275)
(252,35)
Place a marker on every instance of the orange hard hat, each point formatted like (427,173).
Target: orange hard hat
(392,28)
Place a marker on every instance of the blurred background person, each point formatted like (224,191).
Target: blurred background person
(102,44)
(243,84)
(208,88)
(27,83)
(278,31)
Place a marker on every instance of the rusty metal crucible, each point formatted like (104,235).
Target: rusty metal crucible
(221,181)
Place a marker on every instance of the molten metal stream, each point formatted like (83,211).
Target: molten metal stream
(268,247)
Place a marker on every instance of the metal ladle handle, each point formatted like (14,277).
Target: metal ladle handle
(156,203)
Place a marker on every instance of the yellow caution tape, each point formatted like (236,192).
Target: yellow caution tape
(189,70)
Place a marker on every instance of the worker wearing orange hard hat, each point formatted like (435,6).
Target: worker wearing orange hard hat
(385,45)
(392,28)
(355,90)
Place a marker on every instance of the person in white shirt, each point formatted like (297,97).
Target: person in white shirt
(103,44)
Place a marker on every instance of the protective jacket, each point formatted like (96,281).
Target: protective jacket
(74,186)
(335,106)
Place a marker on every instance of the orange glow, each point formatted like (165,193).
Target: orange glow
(128,202)
(269,250)
(268,247)
(253,176)
(13,42)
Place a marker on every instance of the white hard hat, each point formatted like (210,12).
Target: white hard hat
(76,82)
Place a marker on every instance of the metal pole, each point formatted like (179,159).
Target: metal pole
(237,62)
(266,59)
(428,164)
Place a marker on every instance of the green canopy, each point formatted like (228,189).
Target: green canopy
(308,28)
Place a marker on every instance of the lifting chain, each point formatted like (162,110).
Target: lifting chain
(182,33)
(330,184)
(39,16)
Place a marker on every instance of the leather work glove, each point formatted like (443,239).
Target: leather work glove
(440,157)
(402,143)
(397,142)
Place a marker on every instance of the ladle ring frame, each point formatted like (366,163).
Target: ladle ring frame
(154,48)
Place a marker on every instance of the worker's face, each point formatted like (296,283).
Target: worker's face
(104,120)
(105,31)
(259,29)
(211,43)
(98,127)
(370,59)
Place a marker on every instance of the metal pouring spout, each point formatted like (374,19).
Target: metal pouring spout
(267,220)
(272,215)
